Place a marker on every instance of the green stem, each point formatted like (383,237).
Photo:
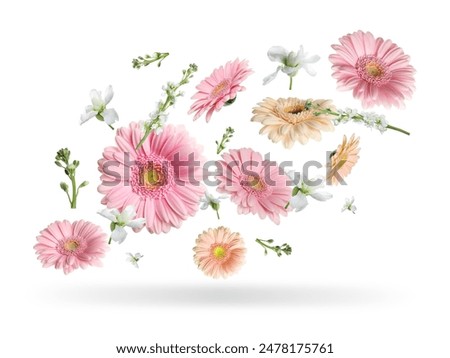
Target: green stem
(110,126)
(397,129)
(287,205)
(290,83)
(109,242)
(263,244)
(73,203)
(147,133)
(218,216)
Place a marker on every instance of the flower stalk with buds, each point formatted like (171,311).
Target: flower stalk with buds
(62,160)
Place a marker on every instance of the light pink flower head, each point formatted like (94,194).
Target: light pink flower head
(376,70)
(219,252)
(220,88)
(161,179)
(257,186)
(70,246)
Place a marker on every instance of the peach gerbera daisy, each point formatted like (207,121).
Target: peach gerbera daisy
(291,120)
(219,252)
(377,70)
(342,160)
(220,88)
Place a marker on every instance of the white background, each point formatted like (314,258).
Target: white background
(374,284)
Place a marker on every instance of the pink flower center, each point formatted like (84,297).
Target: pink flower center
(220,89)
(152,176)
(255,185)
(71,246)
(373,70)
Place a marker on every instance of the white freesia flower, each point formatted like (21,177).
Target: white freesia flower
(301,191)
(121,219)
(209,200)
(98,107)
(134,259)
(349,205)
(290,62)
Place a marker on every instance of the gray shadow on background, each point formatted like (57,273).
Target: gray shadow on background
(236,295)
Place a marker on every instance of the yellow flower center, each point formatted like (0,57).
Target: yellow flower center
(219,252)
(220,88)
(255,183)
(71,245)
(373,69)
(152,178)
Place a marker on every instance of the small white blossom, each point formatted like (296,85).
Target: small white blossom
(121,219)
(349,205)
(301,191)
(134,259)
(98,107)
(290,62)
(209,200)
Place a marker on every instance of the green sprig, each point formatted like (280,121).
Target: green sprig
(146,60)
(279,250)
(62,160)
(171,91)
(225,139)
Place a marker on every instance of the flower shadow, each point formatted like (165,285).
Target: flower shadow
(234,295)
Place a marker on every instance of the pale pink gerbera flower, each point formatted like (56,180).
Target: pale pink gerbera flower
(257,186)
(219,252)
(376,70)
(70,246)
(220,88)
(161,179)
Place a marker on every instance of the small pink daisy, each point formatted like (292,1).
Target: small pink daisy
(161,179)
(376,70)
(70,246)
(220,88)
(219,252)
(257,186)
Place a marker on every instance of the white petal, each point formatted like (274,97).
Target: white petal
(137,223)
(110,115)
(138,256)
(298,202)
(321,196)
(106,213)
(271,77)
(89,108)
(291,71)
(204,206)
(311,59)
(127,214)
(119,234)
(108,94)
(277,54)
(96,98)
(311,71)
(87,116)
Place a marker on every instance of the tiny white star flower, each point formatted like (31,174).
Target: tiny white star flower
(121,219)
(134,259)
(98,107)
(349,205)
(304,188)
(290,62)
(209,200)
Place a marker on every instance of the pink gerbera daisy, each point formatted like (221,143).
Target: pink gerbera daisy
(220,88)
(219,252)
(70,246)
(257,186)
(161,179)
(376,70)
